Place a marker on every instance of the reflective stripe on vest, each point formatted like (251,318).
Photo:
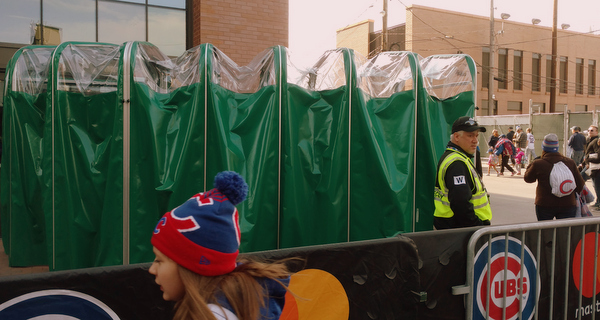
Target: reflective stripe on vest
(479,200)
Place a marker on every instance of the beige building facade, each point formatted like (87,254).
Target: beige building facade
(522,57)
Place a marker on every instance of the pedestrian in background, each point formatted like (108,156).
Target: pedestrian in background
(577,143)
(589,167)
(519,159)
(493,138)
(548,205)
(504,149)
(492,161)
(510,135)
(530,150)
(520,139)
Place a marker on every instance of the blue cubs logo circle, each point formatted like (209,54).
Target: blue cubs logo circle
(501,290)
(56,304)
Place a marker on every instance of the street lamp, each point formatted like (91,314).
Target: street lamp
(504,16)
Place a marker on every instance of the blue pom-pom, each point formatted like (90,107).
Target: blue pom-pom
(232,185)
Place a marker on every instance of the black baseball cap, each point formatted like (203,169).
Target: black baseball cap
(467,124)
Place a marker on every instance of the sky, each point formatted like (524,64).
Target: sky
(313,23)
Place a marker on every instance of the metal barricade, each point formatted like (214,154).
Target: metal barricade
(499,284)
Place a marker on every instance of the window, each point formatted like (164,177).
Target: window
(120,22)
(76,19)
(16,19)
(548,73)
(536,71)
(168,3)
(581,107)
(164,30)
(515,106)
(591,77)
(485,68)
(518,70)
(161,22)
(538,107)
(560,107)
(578,76)
(485,109)
(563,76)
(502,68)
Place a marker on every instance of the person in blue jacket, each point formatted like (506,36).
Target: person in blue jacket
(197,264)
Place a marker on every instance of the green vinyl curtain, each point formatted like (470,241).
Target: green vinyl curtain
(82,157)
(447,93)
(23,222)
(118,135)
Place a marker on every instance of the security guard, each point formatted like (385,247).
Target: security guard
(460,197)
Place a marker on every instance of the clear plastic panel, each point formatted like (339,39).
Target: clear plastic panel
(31,70)
(88,68)
(446,76)
(163,74)
(385,74)
(188,71)
(154,68)
(326,74)
(259,73)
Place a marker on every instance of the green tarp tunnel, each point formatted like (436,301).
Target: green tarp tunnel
(114,136)
(23,222)
(447,93)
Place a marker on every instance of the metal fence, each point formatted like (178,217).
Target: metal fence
(506,281)
(540,123)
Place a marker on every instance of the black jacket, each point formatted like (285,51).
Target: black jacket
(577,142)
(592,147)
(459,196)
(493,140)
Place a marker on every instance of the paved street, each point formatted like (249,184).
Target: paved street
(512,198)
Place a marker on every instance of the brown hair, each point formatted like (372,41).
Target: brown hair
(240,287)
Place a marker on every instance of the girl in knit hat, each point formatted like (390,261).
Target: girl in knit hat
(197,264)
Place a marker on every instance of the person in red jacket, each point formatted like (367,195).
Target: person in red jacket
(547,205)
(505,150)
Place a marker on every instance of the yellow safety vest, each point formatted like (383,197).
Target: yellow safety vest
(479,200)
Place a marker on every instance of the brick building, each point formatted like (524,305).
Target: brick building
(522,57)
(241,29)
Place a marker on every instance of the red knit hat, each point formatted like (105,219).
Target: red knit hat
(203,234)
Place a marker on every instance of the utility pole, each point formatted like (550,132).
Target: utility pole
(384,33)
(491,63)
(554,58)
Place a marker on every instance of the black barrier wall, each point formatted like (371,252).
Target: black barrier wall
(378,279)
(409,276)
